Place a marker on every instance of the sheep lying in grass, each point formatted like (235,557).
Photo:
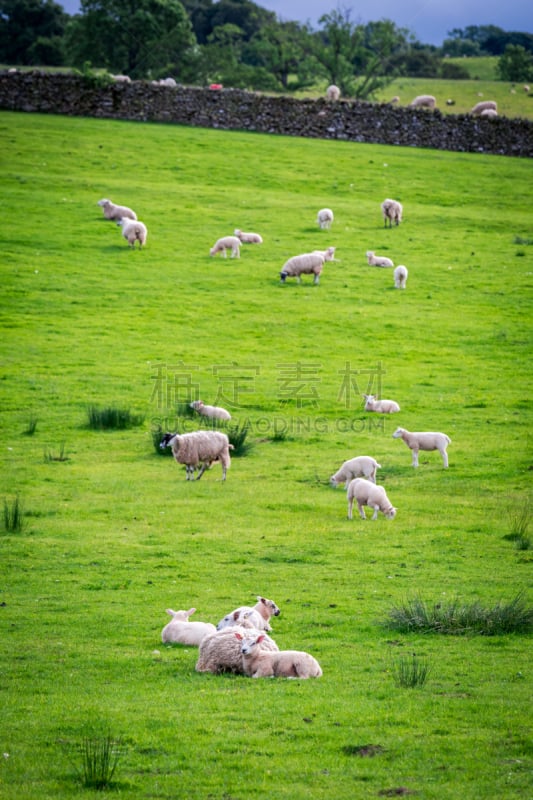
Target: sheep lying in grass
(221,651)
(333,92)
(133,231)
(199,449)
(324,218)
(248,238)
(423,101)
(307,264)
(260,663)
(232,243)
(380,406)
(367,493)
(114,212)
(424,441)
(213,412)
(378,261)
(358,467)
(483,106)
(259,615)
(180,631)
(392,212)
(400,277)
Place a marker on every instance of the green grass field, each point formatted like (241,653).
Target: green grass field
(113,534)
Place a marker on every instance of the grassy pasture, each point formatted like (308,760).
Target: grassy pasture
(114,534)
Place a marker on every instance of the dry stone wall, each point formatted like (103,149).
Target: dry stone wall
(234,109)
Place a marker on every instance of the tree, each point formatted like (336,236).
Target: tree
(515,64)
(31,32)
(281,49)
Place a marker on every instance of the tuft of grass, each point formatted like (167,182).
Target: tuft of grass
(60,456)
(523,240)
(112,418)
(31,426)
(184,410)
(98,758)
(14,515)
(410,671)
(519,521)
(237,437)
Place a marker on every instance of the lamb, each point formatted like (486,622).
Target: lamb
(213,412)
(360,466)
(333,92)
(400,277)
(378,261)
(258,662)
(180,631)
(489,112)
(133,231)
(259,616)
(324,218)
(248,238)
(232,243)
(368,494)
(424,441)
(114,212)
(221,651)
(381,406)
(307,263)
(423,101)
(392,211)
(199,448)
(482,106)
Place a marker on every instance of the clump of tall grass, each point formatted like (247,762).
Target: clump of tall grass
(98,758)
(14,521)
(111,418)
(59,456)
(184,410)
(519,521)
(31,427)
(522,240)
(237,437)
(410,672)
(454,618)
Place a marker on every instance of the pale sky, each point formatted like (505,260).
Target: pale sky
(429,20)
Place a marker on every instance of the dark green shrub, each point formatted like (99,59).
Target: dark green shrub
(112,418)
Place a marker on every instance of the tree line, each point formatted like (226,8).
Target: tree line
(238,43)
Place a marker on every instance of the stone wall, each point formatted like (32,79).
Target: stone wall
(234,109)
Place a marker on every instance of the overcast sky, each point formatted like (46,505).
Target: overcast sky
(429,20)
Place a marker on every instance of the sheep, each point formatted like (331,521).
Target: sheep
(307,263)
(380,406)
(333,92)
(324,218)
(378,261)
(424,441)
(423,101)
(114,212)
(133,231)
(526,88)
(392,211)
(489,112)
(479,107)
(121,78)
(367,493)
(221,651)
(394,100)
(400,277)
(248,238)
(360,466)
(232,243)
(213,412)
(199,448)
(180,631)
(258,662)
(259,616)
(166,82)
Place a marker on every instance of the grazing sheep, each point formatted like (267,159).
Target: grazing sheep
(479,107)
(489,112)
(232,243)
(116,213)
(259,616)
(423,101)
(424,441)
(221,651)
(526,88)
(258,662)
(358,467)
(213,412)
(180,631)
(133,231)
(248,238)
(381,406)
(400,277)
(199,448)
(392,211)
(333,92)
(166,82)
(121,78)
(378,261)
(368,494)
(324,218)
(307,263)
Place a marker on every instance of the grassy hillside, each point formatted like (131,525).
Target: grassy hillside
(113,534)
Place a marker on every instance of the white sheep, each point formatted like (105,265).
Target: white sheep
(166,82)
(199,449)
(392,211)
(489,112)
(333,92)
(380,406)
(114,212)
(324,218)
(248,238)
(133,231)
(378,261)
(259,615)
(232,243)
(358,467)
(424,441)
(483,106)
(261,663)
(221,651)
(213,412)
(121,78)
(526,88)
(367,493)
(307,264)
(423,101)
(400,277)
(180,631)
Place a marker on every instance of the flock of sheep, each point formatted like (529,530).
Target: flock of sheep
(485,108)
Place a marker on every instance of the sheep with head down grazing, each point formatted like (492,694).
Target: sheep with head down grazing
(392,211)
(307,264)
(324,218)
(358,467)
(400,277)
(366,493)
(133,231)
(199,449)
(226,243)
